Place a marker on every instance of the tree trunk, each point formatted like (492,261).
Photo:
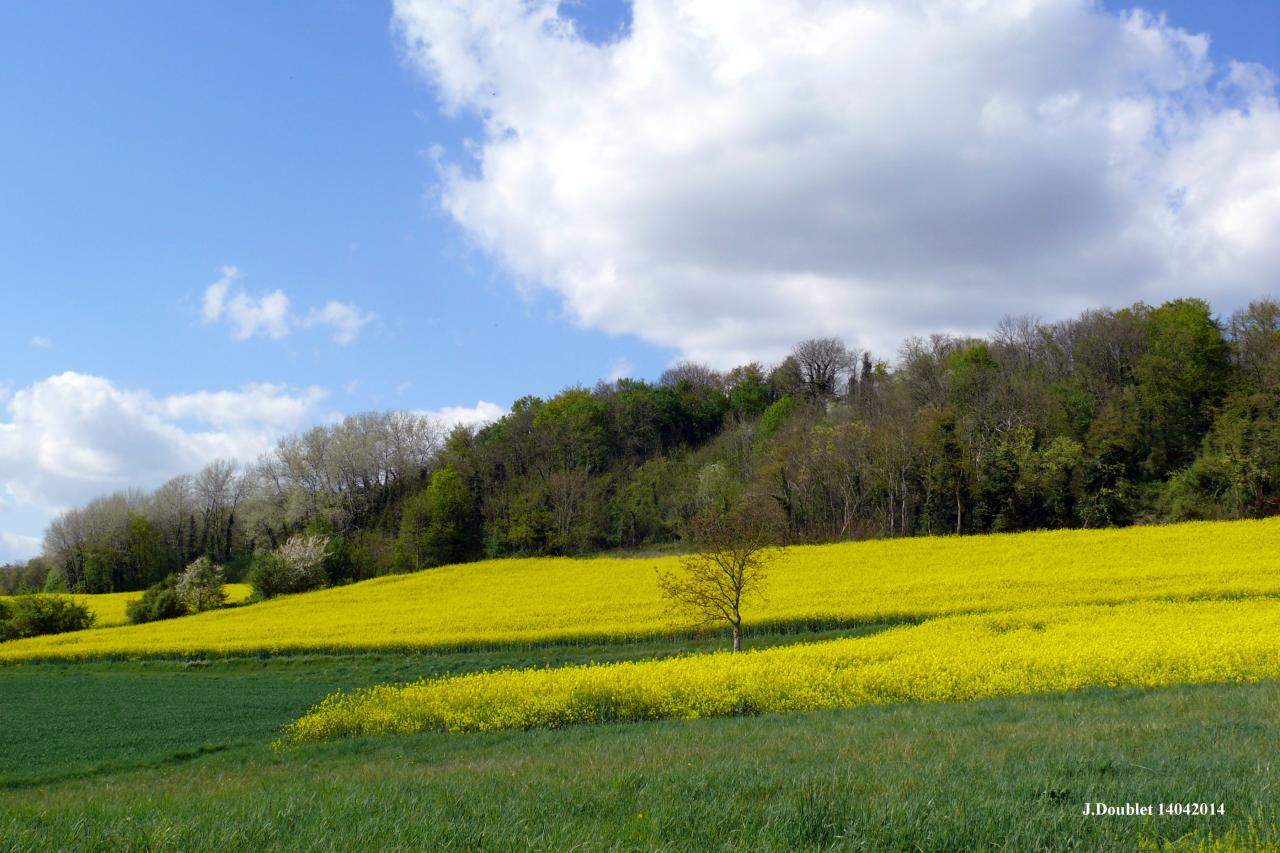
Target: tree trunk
(231,526)
(737,635)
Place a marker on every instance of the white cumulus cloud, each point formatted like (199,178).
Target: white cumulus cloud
(727,178)
(15,547)
(73,436)
(481,413)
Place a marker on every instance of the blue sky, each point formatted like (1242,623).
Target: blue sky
(145,146)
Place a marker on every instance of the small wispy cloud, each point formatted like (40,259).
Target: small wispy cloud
(345,319)
(621,370)
(41,342)
(270,315)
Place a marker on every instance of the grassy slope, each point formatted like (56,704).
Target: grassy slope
(158,755)
(526,601)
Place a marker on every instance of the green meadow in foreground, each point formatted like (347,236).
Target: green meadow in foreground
(172,755)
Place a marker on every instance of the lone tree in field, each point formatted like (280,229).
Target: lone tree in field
(734,547)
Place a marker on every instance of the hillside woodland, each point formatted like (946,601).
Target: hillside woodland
(1137,415)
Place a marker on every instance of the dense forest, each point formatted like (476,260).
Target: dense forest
(1139,415)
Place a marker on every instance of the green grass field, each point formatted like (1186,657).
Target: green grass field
(176,755)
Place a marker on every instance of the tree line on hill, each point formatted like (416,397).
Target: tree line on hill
(1137,415)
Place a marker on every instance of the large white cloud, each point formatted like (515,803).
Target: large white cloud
(73,436)
(728,177)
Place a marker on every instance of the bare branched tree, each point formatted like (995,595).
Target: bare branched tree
(728,569)
(823,364)
(340,472)
(696,374)
(1254,334)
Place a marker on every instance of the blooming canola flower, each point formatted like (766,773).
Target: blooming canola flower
(957,658)
(522,602)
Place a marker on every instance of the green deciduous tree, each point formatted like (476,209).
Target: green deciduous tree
(1181,378)
(158,601)
(35,614)
(453,533)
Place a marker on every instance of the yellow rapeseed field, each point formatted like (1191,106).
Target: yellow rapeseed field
(561,600)
(948,659)
(109,607)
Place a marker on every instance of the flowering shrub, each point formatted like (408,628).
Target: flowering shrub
(199,586)
(296,566)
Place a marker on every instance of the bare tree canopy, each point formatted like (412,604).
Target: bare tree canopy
(696,374)
(338,475)
(728,570)
(824,364)
(1254,333)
